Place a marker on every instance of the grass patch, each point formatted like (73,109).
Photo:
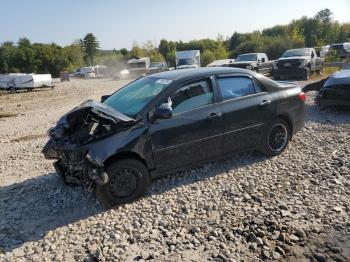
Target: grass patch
(330,70)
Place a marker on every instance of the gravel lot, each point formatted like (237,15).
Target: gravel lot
(293,207)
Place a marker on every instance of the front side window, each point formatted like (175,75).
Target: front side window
(233,87)
(192,96)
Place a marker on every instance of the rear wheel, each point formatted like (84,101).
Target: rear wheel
(276,138)
(128,180)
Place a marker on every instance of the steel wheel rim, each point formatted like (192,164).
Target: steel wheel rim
(123,183)
(278,137)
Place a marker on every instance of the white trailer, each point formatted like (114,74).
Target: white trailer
(13,82)
(188,59)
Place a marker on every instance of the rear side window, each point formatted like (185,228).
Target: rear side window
(233,87)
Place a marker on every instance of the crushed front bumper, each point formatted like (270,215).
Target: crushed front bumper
(74,165)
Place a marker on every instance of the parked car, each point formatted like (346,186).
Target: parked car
(341,49)
(333,90)
(170,121)
(257,62)
(84,72)
(297,63)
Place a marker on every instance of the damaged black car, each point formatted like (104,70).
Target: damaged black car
(171,121)
(333,91)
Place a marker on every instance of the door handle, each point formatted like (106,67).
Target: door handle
(265,103)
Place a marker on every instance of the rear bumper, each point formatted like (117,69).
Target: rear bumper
(292,72)
(332,102)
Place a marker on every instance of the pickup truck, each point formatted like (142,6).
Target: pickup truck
(257,62)
(297,63)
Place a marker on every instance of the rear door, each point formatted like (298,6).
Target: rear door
(193,133)
(246,108)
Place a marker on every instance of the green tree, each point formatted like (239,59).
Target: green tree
(207,57)
(91,46)
(124,51)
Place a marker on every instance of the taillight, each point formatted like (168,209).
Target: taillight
(302,96)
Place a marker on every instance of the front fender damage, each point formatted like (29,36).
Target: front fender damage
(77,142)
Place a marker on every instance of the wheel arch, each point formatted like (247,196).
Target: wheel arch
(125,155)
(289,122)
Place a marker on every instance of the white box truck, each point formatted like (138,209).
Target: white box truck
(14,82)
(187,59)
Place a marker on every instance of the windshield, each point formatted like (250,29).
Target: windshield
(247,57)
(132,98)
(186,61)
(297,52)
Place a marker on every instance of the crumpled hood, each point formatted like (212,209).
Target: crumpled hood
(87,121)
(98,107)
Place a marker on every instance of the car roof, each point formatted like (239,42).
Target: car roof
(183,74)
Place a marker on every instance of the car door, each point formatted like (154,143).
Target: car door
(192,134)
(246,108)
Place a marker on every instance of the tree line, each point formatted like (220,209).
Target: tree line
(27,57)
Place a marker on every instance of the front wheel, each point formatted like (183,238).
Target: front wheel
(128,180)
(276,138)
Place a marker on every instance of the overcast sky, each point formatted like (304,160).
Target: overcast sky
(118,24)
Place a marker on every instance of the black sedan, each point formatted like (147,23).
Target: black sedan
(170,121)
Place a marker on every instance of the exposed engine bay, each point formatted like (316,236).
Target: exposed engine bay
(70,139)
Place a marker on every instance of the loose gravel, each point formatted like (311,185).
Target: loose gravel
(294,207)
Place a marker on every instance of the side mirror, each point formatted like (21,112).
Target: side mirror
(263,60)
(163,112)
(103,98)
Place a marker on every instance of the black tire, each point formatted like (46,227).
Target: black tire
(278,129)
(129,175)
